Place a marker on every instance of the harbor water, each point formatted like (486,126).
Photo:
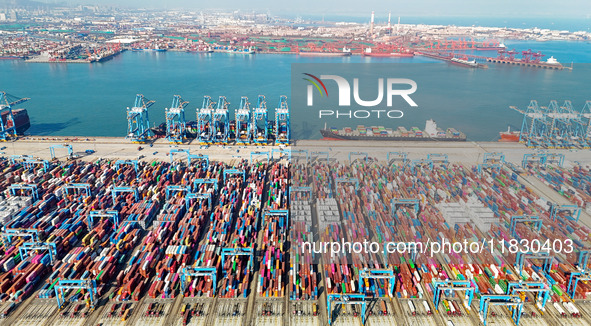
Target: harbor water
(90,99)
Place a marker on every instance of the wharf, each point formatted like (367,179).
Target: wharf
(121,148)
(115,148)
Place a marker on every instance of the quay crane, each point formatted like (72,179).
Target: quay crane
(243,125)
(138,124)
(221,122)
(260,127)
(175,120)
(204,121)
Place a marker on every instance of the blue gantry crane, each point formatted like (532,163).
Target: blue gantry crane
(138,123)
(354,181)
(88,285)
(23,189)
(112,215)
(255,154)
(492,161)
(133,163)
(534,126)
(173,190)
(221,122)
(66,146)
(582,274)
(421,162)
(345,299)
(198,182)
(318,154)
(555,126)
(438,158)
(571,212)
(282,122)
(260,124)
(393,157)
(413,202)
(364,154)
(204,195)
(116,191)
(536,222)
(29,246)
(7,123)
(178,150)
(234,172)
(540,288)
(298,191)
(367,274)
(545,257)
(243,123)
(79,190)
(205,121)
(191,271)
(29,163)
(448,287)
(175,120)
(231,252)
(512,302)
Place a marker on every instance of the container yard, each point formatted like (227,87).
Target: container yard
(89,239)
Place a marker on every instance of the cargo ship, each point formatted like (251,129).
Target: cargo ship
(509,136)
(235,50)
(13,57)
(453,60)
(402,54)
(490,48)
(431,133)
(464,62)
(248,50)
(21,120)
(207,49)
(344,53)
(550,63)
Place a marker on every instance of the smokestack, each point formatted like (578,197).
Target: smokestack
(389,16)
(398,25)
(371,25)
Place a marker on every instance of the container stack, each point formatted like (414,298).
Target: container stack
(273,266)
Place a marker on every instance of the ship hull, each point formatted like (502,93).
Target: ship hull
(509,137)
(21,120)
(464,64)
(12,57)
(389,55)
(325,54)
(329,135)
(489,48)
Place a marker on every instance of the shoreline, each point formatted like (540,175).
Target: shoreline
(41,59)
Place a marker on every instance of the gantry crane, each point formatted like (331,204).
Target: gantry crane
(175,120)
(221,122)
(260,126)
(138,124)
(243,123)
(204,121)
(282,122)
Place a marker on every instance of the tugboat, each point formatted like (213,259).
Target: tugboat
(509,136)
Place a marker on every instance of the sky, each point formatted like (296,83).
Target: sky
(477,8)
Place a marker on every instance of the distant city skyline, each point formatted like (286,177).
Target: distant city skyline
(448,8)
